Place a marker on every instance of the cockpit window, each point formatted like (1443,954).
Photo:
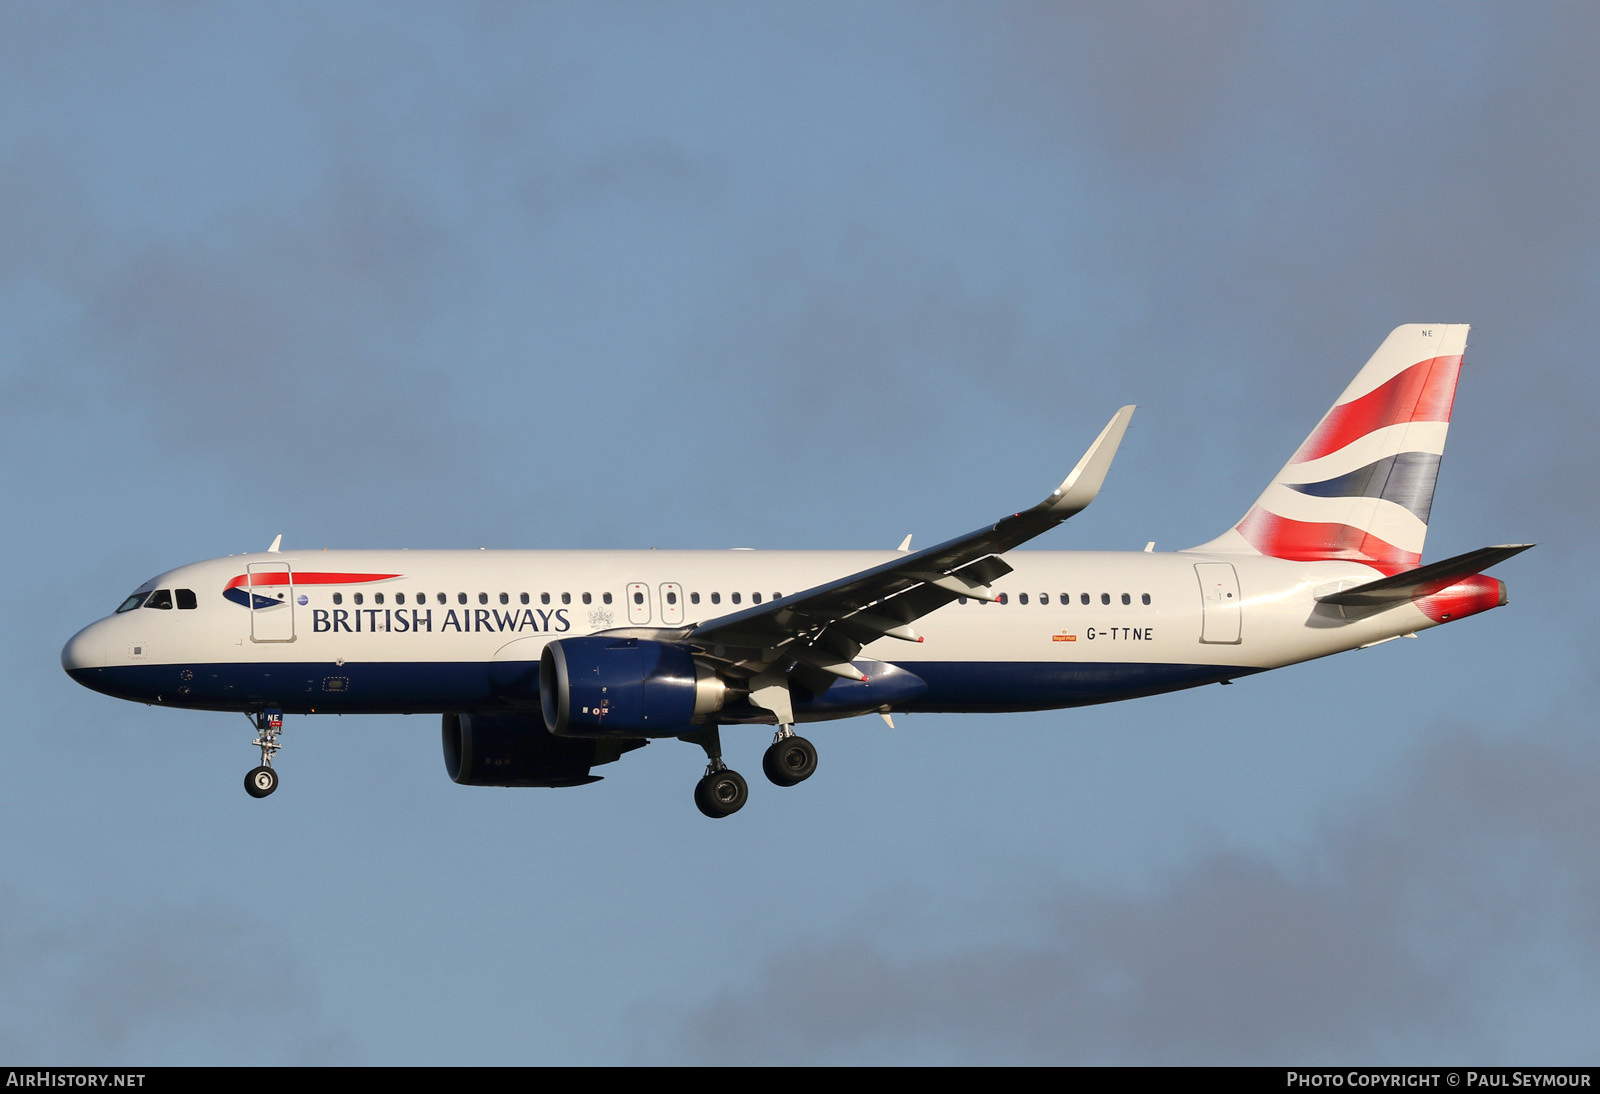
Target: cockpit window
(132,602)
(161,598)
(186,600)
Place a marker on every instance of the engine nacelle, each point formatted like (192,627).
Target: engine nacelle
(624,687)
(516,750)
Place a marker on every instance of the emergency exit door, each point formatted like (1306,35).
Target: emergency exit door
(638,595)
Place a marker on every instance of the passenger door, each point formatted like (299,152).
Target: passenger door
(271,589)
(1219,602)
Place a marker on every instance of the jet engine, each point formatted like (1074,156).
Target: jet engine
(624,687)
(515,750)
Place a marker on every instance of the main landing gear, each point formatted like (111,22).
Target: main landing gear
(263,780)
(790,759)
(723,791)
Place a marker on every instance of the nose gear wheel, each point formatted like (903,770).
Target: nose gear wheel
(260,782)
(263,780)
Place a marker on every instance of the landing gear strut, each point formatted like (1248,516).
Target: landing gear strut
(263,780)
(790,759)
(723,791)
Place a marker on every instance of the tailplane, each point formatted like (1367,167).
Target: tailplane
(1360,487)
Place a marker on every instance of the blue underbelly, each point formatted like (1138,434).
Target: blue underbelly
(450,686)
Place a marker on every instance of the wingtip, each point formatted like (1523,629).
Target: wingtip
(1082,485)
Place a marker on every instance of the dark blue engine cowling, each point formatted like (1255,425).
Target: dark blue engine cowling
(515,750)
(623,687)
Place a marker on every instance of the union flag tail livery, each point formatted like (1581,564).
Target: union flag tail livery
(1360,487)
(547,664)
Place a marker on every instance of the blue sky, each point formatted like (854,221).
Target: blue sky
(707,275)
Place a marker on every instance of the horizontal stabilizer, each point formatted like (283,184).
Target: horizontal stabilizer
(1424,580)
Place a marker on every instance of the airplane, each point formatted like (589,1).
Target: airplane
(547,664)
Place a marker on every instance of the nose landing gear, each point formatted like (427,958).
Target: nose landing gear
(260,782)
(263,780)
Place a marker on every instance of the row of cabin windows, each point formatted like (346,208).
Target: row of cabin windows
(184,599)
(161,598)
(1066,598)
(716,598)
(544,598)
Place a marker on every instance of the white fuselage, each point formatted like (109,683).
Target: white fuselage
(415,631)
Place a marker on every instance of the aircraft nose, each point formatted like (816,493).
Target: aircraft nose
(85,650)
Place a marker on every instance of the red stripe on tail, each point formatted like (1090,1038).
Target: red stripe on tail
(1422,393)
(1300,541)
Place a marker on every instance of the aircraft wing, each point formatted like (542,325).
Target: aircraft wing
(822,629)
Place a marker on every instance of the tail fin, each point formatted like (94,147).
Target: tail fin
(1360,487)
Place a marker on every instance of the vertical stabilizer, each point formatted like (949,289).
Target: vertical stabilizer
(1360,487)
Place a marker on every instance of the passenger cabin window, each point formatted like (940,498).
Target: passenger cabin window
(736,598)
(1145,598)
(756,597)
(544,598)
(694,598)
(1003,599)
(1105,598)
(638,598)
(358,598)
(161,598)
(1022,598)
(483,598)
(672,597)
(442,598)
(505,598)
(377,598)
(1126,599)
(605,598)
(587,598)
(461,598)
(1085,598)
(524,598)
(566,598)
(399,598)
(716,598)
(338,598)
(131,603)
(186,600)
